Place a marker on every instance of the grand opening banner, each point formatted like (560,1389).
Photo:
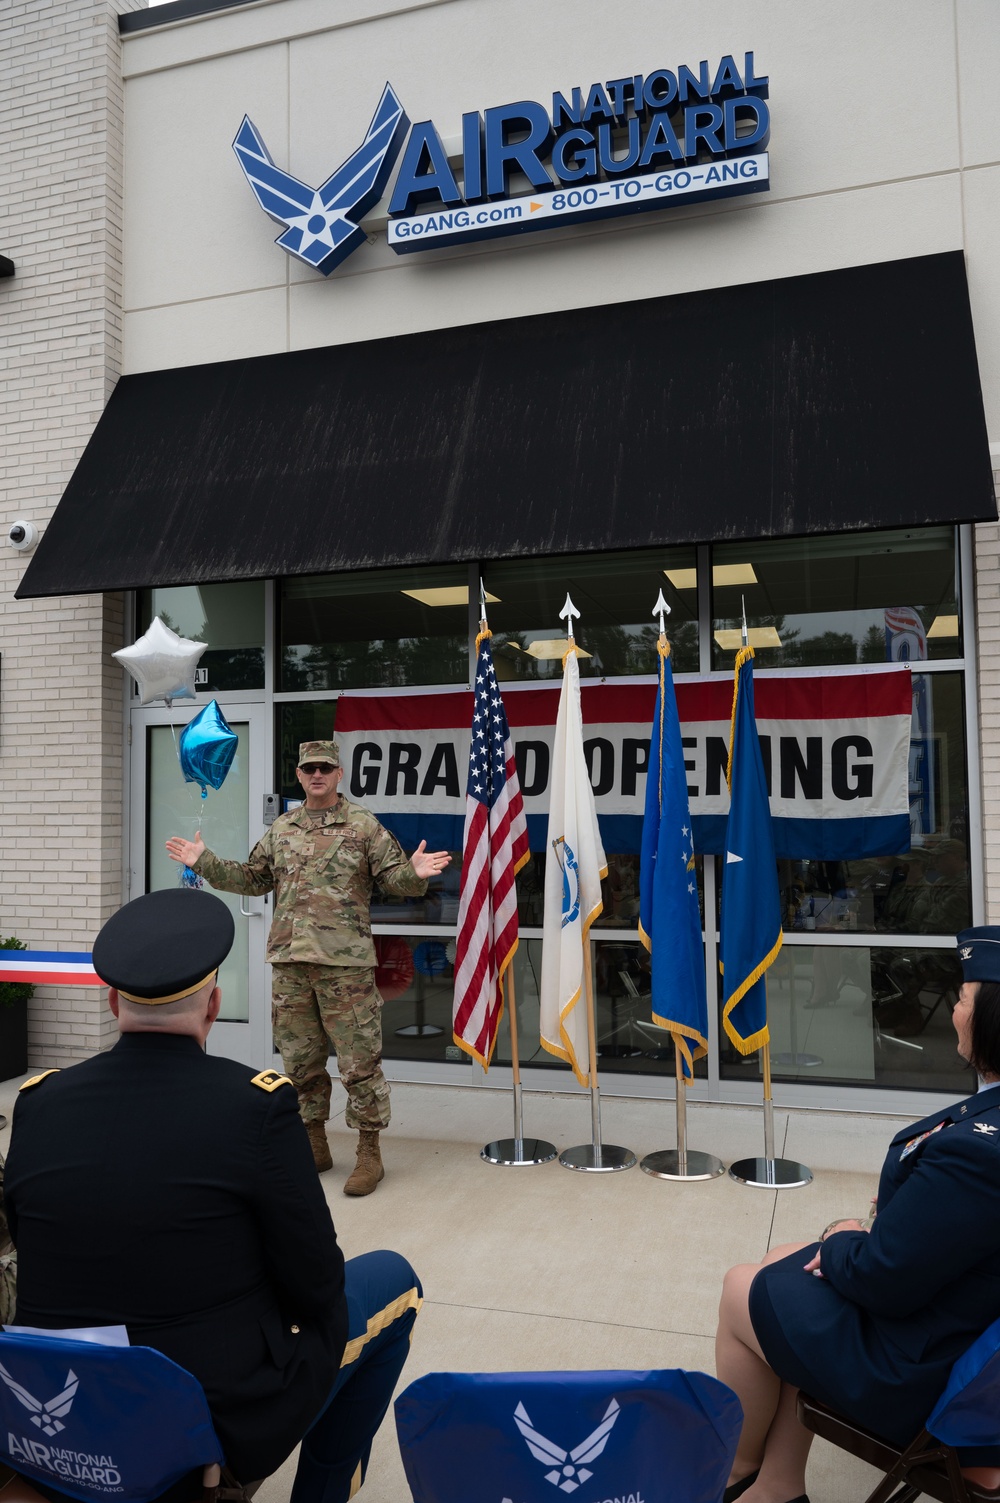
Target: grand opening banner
(835,744)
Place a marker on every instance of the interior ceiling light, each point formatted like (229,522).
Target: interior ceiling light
(733,574)
(760,636)
(683,579)
(447,595)
(943,626)
(722,574)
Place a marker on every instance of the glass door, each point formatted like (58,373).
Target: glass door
(230,821)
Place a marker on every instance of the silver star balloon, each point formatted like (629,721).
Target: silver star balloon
(162,663)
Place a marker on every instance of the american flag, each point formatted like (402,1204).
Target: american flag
(494,850)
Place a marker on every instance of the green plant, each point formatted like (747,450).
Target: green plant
(12,992)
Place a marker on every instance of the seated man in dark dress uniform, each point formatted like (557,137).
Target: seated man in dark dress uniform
(174,1192)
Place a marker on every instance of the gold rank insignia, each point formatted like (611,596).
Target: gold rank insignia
(268,1080)
(35,1079)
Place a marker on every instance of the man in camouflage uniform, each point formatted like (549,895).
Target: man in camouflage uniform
(321,861)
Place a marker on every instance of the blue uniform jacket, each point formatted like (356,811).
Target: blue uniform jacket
(876,1336)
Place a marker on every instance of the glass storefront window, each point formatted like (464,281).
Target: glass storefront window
(416,978)
(614,593)
(301,720)
(176,808)
(863,990)
(619,891)
(627,1041)
(926,890)
(865,1015)
(309,720)
(229,617)
(380,630)
(853,598)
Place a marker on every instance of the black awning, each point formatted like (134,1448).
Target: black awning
(824,403)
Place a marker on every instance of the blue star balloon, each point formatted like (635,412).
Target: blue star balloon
(207,748)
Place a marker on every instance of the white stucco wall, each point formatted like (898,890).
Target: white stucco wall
(885,144)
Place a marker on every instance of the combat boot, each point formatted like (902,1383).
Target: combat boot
(320,1145)
(368,1170)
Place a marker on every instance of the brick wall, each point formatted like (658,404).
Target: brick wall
(60,693)
(987,554)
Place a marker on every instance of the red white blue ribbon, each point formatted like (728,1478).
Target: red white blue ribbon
(49,967)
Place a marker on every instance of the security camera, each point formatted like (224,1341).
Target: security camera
(22,535)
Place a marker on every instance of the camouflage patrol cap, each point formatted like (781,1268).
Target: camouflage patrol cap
(319,751)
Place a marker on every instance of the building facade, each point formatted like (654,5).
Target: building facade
(783,398)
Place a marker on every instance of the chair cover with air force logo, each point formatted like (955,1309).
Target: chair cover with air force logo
(100,1421)
(539,1437)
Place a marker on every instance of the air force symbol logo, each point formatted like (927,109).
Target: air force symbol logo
(568,1469)
(322,226)
(49,1416)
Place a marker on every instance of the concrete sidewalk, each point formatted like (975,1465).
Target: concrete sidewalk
(534,1268)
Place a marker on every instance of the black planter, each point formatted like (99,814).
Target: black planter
(13,1040)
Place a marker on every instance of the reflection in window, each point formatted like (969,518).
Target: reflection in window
(619,891)
(614,593)
(379,630)
(627,1040)
(853,598)
(926,890)
(229,617)
(295,722)
(841,1012)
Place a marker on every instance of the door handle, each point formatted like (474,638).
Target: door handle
(249,912)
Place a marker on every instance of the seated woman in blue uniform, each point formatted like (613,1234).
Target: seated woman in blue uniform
(870,1322)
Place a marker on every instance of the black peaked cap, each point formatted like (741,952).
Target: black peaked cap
(163,946)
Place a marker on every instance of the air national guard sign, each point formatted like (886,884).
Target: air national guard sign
(624,146)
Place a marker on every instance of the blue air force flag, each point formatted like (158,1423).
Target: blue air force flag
(669,919)
(574,865)
(751,909)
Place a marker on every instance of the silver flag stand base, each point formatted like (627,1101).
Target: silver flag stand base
(668,1163)
(681,1162)
(596,1157)
(519,1151)
(599,1158)
(770,1174)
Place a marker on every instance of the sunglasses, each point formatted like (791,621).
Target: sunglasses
(312,767)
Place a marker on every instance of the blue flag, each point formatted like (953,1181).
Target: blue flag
(751,908)
(669,920)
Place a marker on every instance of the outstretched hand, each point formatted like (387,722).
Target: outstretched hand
(185,851)
(424,862)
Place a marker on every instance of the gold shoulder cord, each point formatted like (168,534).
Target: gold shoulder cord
(36,1079)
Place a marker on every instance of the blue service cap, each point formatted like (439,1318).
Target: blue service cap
(979,953)
(164,946)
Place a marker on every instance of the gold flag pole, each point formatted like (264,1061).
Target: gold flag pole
(518,1149)
(768,1173)
(595,1156)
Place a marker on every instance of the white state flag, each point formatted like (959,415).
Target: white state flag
(574,865)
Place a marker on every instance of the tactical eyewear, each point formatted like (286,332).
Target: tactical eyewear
(310,767)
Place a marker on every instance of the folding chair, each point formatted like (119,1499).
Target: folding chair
(100,1421)
(517,1435)
(967,1415)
